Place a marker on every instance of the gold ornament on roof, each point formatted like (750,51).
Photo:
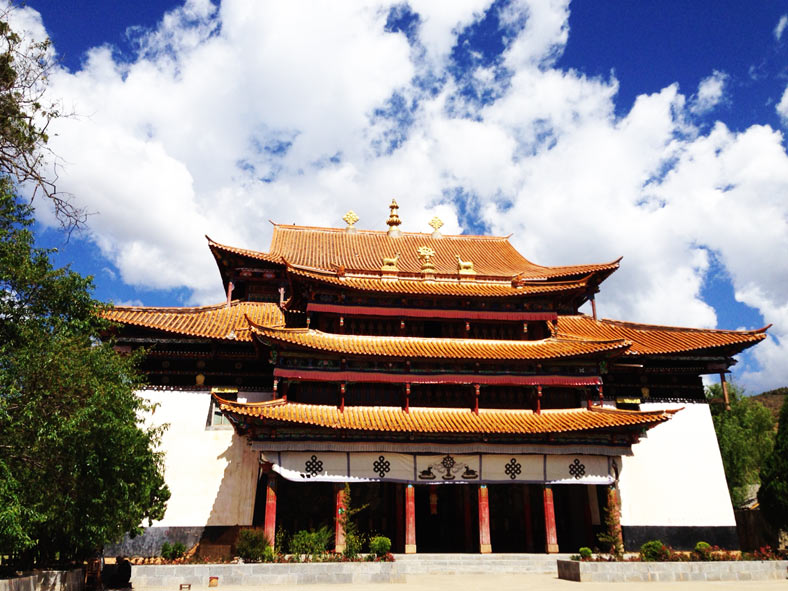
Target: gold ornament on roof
(393,221)
(465,267)
(390,264)
(425,254)
(350,218)
(436,224)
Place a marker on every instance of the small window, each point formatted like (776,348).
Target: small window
(215,416)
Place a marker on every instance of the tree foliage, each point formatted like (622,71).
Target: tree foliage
(25,116)
(746,436)
(77,470)
(773,494)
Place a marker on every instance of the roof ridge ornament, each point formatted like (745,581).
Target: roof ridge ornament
(394,221)
(465,268)
(427,266)
(350,219)
(436,224)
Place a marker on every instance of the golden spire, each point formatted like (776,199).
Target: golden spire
(436,224)
(350,218)
(394,221)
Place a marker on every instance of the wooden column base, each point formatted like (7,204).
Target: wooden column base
(410,548)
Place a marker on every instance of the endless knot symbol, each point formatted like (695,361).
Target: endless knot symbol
(381,466)
(350,218)
(436,223)
(577,469)
(513,469)
(313,466)
(448,463)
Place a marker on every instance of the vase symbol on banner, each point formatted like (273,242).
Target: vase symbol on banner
(313,466)
(513,468)
(381,466)
(577,469)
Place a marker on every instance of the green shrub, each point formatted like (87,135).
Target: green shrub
(311,543)
(585,553)
(654,551)
(703,551)
(268,554)
(172,551)
(251,545)
(380,545)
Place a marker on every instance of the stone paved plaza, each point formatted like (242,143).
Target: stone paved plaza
(517,582)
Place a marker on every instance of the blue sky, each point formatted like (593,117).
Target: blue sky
(589,130)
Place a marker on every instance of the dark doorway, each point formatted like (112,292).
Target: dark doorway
(302,505)
(447,518)
(516,518)
(575,517)
(380,517)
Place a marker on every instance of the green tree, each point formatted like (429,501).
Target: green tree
(77,469)
(746,437)
(773,494)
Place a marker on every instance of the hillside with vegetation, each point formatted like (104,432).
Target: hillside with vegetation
(773,400)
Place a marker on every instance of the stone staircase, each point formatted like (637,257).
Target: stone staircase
(466,564)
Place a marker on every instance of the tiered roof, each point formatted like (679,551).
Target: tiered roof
(442,420)
(648,339)
(578,335)
(436,348)
(221,321)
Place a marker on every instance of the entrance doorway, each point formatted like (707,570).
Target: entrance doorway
(447,518)
(516,518)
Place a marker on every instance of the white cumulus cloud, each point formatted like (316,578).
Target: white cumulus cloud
(780,28)
(235,114)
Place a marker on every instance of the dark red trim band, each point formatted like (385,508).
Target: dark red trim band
(426,313)
(310,375)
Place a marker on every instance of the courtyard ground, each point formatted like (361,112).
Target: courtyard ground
(525,582)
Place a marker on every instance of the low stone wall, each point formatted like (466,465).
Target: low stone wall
(628,572)
(45,580)
(172,576)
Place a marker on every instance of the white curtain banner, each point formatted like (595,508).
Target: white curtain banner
(319,466)
(513,468)
(578,470)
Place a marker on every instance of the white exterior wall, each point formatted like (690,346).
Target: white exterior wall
(211,472)
(675,476)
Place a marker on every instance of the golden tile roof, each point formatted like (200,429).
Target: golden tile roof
(436,348)
(216,322)
(649,339)
(444,287)
(444,420)
(219,249)
(492,256)
(364,250)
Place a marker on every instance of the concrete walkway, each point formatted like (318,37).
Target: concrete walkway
(518,582)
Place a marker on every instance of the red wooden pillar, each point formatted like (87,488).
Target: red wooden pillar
(551,535)
(269,529)
(538,399)
(410,519)
(484,520)
(527,519)
(339,534)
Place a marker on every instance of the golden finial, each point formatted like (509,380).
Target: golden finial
(436,224)
(393,221)
(350,218)
(425,254)
(465,267)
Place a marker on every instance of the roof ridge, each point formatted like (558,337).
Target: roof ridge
(187,309)
(434,339)
(384,233)
(638,325)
